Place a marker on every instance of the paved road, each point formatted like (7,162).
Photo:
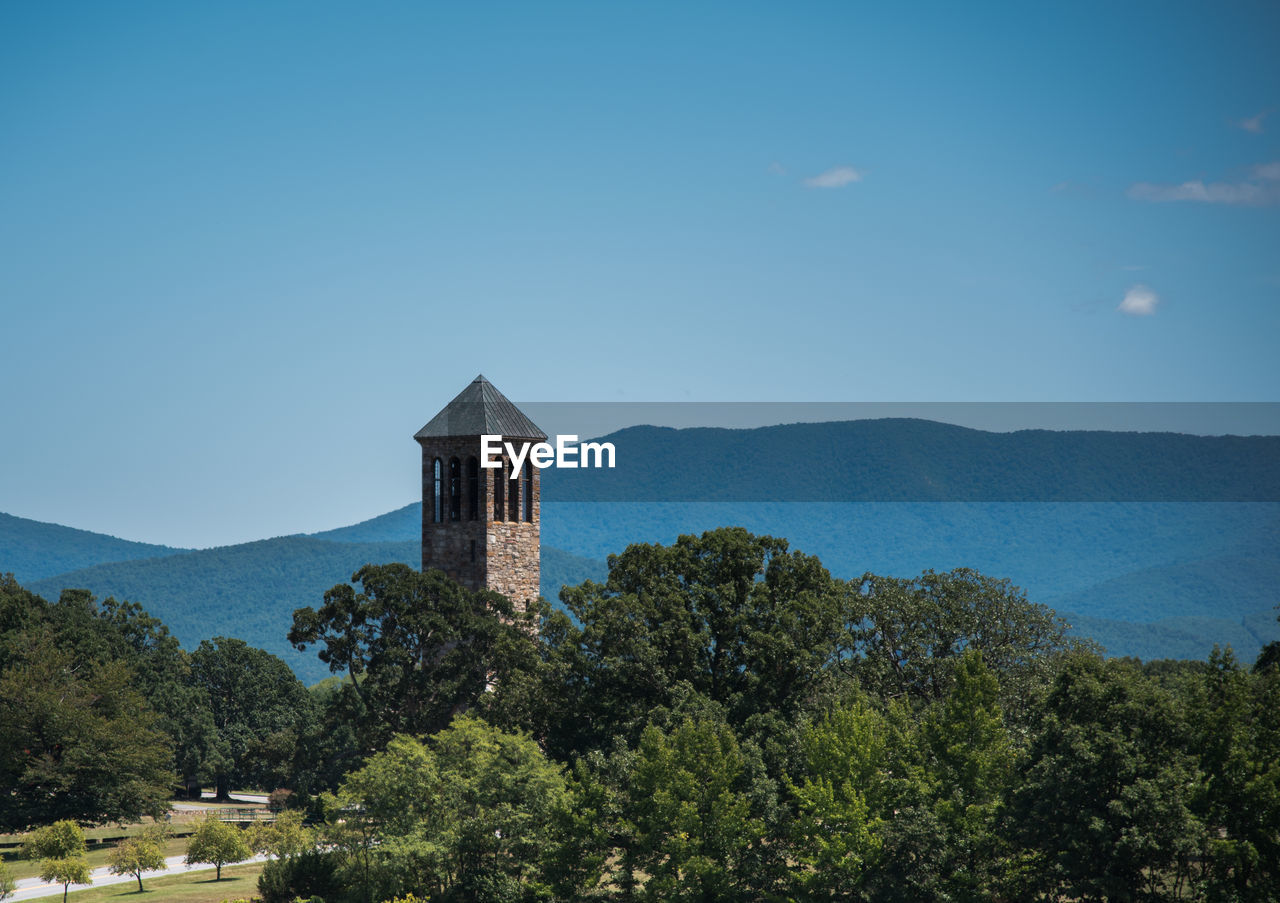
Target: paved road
(257,799)
(34,888)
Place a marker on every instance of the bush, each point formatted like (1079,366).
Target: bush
(307,875)
(280,799)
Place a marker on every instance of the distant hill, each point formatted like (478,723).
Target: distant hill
(401,525)
(31,549)
(1181,637)
(251,590)
(248,590)
(1148,578)
(909,460)
(1154,580)
(1144,579)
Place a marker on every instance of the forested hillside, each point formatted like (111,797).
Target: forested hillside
(1155,580)
(32,549)
(251,590)
(903,460)
(1149,578)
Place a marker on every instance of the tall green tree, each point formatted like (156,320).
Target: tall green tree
(466,815)
(77,741)
(1106,790)
(1235,724)
(258,707)
(418,647)
(694,824)
(971,762)
(96,642)
(841,794)
(736,618)
(907,636)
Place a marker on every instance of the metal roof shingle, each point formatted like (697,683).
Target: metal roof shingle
(479,410)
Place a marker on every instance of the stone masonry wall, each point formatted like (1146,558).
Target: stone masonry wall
(485,553)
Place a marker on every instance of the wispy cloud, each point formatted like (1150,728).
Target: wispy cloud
(777,168)
(1139,301)
(1254,123)
(1267,172)
(1261,189)
(838,177)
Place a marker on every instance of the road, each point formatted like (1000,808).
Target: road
(34,888)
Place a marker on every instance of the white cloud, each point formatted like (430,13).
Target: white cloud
(1139,301)
(1254,123)
(777,168)
(838,177)
(1267,172)
(1261,189)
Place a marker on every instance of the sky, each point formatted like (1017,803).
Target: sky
(249,248)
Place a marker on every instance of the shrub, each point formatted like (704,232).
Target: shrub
(308,875)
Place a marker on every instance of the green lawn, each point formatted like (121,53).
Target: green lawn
(97,856)
(238,882)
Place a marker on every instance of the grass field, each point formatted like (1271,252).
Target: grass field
(238,882)
(97,856)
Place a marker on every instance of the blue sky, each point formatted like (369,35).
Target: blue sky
(250,248)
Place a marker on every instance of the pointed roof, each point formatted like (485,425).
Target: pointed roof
(479,410)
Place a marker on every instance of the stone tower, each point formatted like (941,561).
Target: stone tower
(480,525)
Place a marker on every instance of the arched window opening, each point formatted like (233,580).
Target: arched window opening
(499,487)
(473,488)
(513,494)
(528,492)
(437,493)
(455,489)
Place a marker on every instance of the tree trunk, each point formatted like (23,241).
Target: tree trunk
(218,866)
(139,882)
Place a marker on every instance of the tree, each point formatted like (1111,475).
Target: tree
(971,770)
(1235,724)
(467,813)
(1105,791)
(217,843)
(736,618)
(283,838)
(418,647)
(259,709)
(693,821)
(77,739)
(66,872)
(141,853)
(7,884)
(840,800)
(60,847)
(907,636)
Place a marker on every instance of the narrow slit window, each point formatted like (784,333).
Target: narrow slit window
(528,492)
(499,487)
(513,494)
(473,488)
(455,489)
(437,494)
